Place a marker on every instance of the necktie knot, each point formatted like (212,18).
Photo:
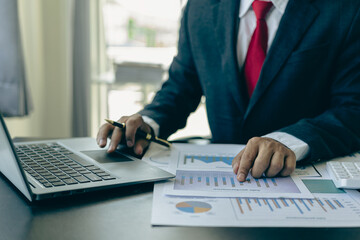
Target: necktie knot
(261,8)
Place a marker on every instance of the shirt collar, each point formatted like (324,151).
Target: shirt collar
(245,5)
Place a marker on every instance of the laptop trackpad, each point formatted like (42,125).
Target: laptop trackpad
(102,156)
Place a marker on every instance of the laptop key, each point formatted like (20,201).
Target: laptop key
(76,174)
(52,180)
(51,169)
(42,181)
(82,179)
(58,174)
(56,184)
(84,172)
(107,177)
(70,171)
(102,174)
(46,175)
(79,168)
(69,181)
(64,176)
(42,171)
(39,178)
(93,177)
(93,168)
(47,185)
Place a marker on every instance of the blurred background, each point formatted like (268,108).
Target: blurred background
(69,64)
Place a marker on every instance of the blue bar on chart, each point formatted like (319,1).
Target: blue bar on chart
(232,182)
(224,180)
(182,180)
(216,182)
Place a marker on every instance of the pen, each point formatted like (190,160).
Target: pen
(142,134)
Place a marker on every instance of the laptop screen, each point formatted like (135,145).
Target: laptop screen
(8,163)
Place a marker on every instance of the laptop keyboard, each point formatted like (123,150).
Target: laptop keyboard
(53,165)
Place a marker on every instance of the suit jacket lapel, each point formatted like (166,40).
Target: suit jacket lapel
(225,15)
(296,20)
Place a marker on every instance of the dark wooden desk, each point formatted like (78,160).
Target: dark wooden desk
(123,213)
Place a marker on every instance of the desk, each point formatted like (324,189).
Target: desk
(122,213)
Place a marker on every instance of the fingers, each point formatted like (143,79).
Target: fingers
(236,161)
(103,133)
(116,136)
(276,165)
(133,123)
(246,162)
(290,165)
(283,163)
(264,155)
(261,163)
(115,139)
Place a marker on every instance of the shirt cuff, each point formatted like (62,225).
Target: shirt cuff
(299,147)
(152,124)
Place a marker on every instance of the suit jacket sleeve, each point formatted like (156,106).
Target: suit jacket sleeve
(336,132)
(181,93)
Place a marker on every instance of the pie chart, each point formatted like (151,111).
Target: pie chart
(193,207)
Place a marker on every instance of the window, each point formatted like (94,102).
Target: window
(141,23)
(141,40)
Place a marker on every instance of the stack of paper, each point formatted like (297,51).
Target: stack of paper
(205,192)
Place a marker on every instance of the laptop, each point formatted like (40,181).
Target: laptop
(49,169)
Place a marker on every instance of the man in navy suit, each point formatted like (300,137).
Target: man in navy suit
(282,77)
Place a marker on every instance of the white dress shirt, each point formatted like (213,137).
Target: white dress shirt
(246,28)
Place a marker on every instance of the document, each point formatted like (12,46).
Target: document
(224,184)
(201,194)
(329,208)
(205,170)
(211,156)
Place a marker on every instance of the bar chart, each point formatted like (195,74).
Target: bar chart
(301,206)
(327,210)
(322,210)
(225,184)
(205,180)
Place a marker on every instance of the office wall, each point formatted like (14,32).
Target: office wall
(46,29)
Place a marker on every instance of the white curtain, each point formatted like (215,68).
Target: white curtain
(81,69)
(62,42)
(14,93)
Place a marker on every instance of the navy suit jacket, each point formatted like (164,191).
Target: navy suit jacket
(309,85)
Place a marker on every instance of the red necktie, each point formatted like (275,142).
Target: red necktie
(258,45)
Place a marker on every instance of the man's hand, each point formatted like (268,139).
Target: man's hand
(133,123)
(264,155)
